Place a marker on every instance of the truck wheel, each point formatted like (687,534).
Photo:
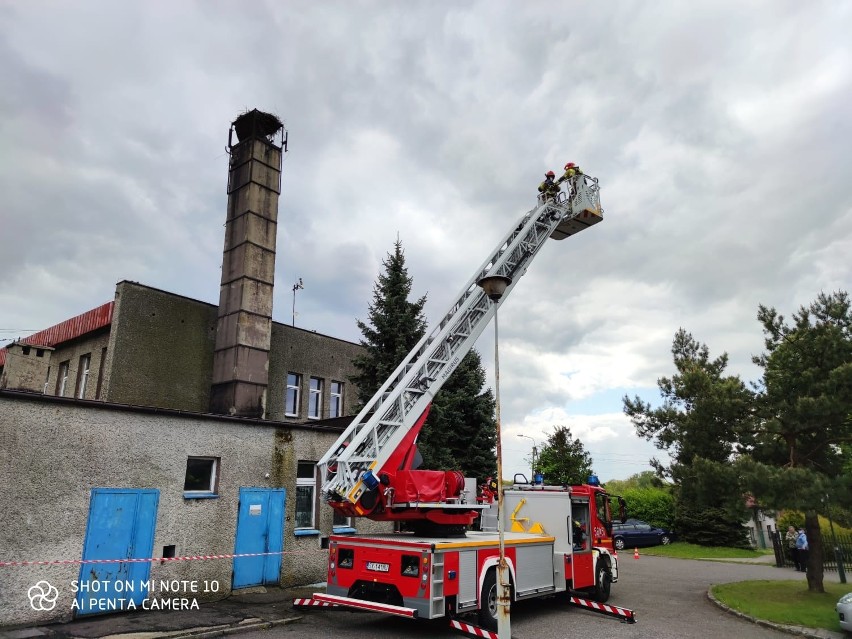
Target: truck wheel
(619,543)
(488,601)
(603,581)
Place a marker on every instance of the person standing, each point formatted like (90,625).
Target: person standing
(802,550)
(790,540)
(549,189)
(571,170)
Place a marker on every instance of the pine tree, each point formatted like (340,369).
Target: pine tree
(395,326)
(702,413)
(800,447)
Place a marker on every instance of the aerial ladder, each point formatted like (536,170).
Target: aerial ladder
(371,470)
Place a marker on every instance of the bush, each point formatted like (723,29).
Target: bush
(654,505)
(792,518)
(710,527)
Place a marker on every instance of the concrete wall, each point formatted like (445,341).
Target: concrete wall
(54,451)
(161,354)
(295,350)
(160,349)
(27,367)
(93,345)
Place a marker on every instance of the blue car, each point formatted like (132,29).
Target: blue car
(635,532)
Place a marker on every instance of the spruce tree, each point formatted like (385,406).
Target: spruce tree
(460,431)
(395,326)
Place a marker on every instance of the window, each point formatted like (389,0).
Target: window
(62,378)
(25,350)
(202,477)
(335,408)
(291,406)
(305,487)
(315,399)
(340,521)
(83,375)
(100,373)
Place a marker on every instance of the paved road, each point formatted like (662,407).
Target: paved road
(668,595)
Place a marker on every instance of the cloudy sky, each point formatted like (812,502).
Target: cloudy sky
(720,133)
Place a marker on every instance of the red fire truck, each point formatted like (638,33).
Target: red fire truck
(557,539)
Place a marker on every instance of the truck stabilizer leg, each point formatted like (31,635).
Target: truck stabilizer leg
(625,615)
(471,630)
(310,602)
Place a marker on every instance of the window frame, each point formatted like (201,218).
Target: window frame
(83,375)
(335,402)
(315,396)
(311,483)
(213,490)
(100,373)
(62,377)
(297,389)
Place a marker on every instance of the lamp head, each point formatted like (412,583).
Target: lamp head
(494,286)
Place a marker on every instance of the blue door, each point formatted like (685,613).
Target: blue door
(260,529)
(120,526)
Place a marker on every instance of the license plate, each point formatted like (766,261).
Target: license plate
(377,567)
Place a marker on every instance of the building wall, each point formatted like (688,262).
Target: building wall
(160,350)
(161,354)
(54,451)
(28,367)
(91,344)
(309,354)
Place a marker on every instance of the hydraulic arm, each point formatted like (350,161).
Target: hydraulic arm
(371,468)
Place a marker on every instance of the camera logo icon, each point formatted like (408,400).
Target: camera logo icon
(43,596)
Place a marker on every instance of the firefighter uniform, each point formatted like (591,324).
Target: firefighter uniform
(571,170)
(549,189)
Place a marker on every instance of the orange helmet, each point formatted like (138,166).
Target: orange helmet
(550,174)
(570,165)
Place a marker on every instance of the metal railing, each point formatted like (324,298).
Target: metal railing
(836,552)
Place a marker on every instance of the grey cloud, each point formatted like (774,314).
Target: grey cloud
(718,131)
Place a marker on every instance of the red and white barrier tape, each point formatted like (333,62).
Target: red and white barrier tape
(64,562)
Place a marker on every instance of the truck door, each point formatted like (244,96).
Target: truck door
(583,573)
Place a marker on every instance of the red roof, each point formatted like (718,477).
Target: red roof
(69,329)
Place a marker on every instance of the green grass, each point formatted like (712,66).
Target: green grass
(784,602)
(684,550)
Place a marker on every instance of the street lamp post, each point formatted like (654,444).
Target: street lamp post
(494,287)
(534,451)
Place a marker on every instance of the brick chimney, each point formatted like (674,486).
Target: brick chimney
(244,325)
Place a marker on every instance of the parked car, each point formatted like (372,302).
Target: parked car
(844,609)
(635,532)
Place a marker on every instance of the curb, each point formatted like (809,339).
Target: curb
(801,631)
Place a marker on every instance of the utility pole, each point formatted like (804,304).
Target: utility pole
(534,453)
